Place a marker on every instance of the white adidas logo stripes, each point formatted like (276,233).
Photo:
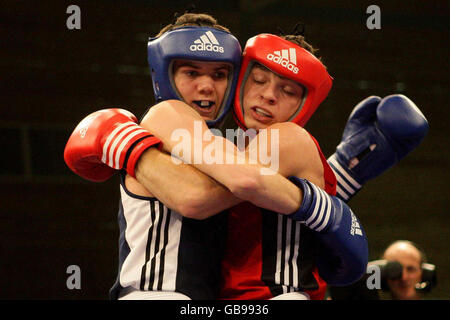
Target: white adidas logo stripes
(346,185)
(322,211)
(207,42)
(208,37)
(286,57)
(322,214)
(115,143)
(288,248)
(287,54)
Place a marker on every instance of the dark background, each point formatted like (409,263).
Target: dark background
(52,77)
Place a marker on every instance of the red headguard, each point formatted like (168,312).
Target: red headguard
(290,61)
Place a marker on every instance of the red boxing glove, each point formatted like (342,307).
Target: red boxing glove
(106,141)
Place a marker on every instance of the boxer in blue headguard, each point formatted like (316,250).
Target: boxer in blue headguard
(177,57)
(164,255)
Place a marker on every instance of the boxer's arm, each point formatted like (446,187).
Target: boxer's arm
(181,187)
(291,150)
(248,181)
(194,195)
(343,254)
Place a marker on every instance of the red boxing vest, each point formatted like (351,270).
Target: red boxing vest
(268,254)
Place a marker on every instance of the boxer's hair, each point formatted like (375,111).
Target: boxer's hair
(300,40)
(193,19)
(297,36)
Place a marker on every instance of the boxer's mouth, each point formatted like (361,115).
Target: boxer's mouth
(204,104)
(263,112)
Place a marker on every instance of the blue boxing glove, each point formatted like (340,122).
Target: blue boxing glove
(378,134)
(343,255)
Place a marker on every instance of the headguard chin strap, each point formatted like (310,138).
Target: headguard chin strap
(290,61)
(193,43)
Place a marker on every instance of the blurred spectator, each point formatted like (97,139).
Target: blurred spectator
(411,258)
(405,275)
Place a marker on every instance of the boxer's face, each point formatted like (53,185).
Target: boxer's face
(202,85)
(269,98)
(409,258)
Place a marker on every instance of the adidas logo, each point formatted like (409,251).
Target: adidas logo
(286,58)
(355,228)
(207,42)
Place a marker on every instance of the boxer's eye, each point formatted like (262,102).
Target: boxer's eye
(191,73)
(289,91)
(219,75)
(259,79)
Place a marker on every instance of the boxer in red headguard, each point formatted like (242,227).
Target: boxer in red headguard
(279,81)
(274,256)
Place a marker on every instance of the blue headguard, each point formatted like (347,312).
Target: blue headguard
(193,43)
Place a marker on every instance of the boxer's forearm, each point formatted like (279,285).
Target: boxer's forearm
(184,134)
(182,187)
